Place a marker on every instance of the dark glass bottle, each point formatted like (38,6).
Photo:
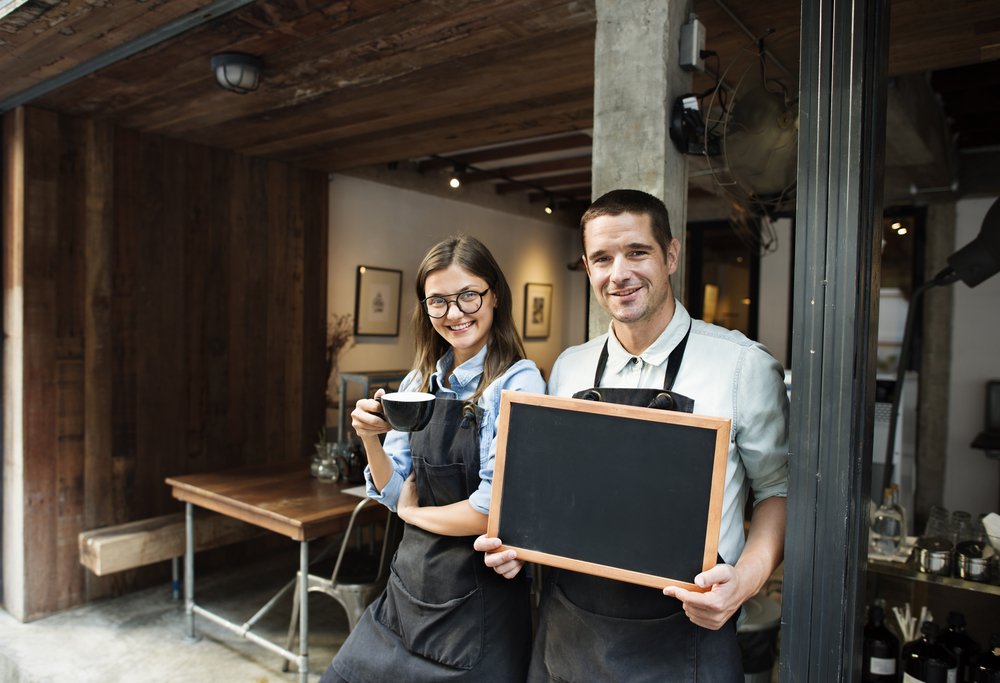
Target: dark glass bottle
(880,650)
(928,661)
(986,667)
(961,645)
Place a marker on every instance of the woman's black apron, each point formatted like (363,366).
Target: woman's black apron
(596,629)
(444,615)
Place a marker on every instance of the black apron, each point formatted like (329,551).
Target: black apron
(594,629)
(444,615)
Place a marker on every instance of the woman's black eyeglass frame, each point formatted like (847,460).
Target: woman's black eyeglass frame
(449,301)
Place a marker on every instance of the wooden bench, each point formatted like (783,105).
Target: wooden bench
(136,544)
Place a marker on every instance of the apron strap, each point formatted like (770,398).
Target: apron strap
(673,362)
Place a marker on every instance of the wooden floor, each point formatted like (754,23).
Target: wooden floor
(141,636)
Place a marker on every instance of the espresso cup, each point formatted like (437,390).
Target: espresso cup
(407,411)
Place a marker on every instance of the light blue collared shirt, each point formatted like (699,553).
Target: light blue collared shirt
(463,382)
(728,376)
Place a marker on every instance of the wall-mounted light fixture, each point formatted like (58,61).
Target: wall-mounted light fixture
(237,72)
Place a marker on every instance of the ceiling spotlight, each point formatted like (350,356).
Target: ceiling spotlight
(896,226)
(550,207)
(901,231)
(454,182)
(237,72)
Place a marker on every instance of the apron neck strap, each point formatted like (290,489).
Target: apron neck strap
(673,362)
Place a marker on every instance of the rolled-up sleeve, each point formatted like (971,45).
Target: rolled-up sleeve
(761,418)
(523,376)
(397,447)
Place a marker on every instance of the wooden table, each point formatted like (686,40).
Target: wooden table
(283,498)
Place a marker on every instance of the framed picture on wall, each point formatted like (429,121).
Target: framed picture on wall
(376,302)
(537,310)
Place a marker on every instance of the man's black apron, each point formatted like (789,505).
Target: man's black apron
(444,615)
(596,629)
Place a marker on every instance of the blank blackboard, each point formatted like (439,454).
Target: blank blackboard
(626,493)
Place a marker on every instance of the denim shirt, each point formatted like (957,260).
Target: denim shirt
(728,376)
(463,381)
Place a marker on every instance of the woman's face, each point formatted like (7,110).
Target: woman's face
(467,333)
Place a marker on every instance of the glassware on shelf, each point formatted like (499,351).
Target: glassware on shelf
(926,660)
(960,644)
(888,526)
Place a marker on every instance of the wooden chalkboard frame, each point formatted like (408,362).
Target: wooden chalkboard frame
(716,432)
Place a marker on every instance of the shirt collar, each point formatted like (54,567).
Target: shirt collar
(465,374)
(657,352)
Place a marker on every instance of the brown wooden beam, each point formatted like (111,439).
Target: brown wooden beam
(543,183)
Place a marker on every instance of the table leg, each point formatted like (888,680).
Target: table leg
(189,567)
(304,612)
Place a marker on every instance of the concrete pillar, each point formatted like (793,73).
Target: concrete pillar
(636,79)
(935,364)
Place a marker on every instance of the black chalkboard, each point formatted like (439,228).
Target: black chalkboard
(627,493)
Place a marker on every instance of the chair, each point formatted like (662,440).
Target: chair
(357,577)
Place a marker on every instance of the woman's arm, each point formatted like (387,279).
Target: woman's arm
(456,519)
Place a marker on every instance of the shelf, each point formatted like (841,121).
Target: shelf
(906,571)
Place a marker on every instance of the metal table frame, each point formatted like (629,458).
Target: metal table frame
(255,496)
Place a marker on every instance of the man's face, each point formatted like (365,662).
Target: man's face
(628,270)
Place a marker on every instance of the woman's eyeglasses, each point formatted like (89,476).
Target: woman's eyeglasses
(467,302)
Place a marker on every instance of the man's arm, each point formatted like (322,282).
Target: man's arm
(732,586)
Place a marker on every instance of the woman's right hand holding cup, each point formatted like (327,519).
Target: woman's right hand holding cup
(367,419)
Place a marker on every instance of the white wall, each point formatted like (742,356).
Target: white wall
(971,480)
(387,227)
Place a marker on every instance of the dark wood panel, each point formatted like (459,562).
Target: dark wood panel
(174,305)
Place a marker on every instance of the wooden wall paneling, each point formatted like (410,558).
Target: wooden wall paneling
(216,221)
(40,391)
(277,306)
(128,213)
(241,422)
(69,312)
(294,229)
(196,300)
(14,510)
(313,188)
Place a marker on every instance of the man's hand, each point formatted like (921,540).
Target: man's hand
(504,563)
(712,609)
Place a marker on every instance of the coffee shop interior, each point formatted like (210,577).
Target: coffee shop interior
(202,199)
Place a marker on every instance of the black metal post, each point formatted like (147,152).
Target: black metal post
(838,217)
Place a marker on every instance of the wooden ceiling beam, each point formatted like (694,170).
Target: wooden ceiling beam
(556,144)
(549,182)
(533,118)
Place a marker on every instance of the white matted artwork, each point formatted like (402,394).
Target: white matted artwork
(376,301)
(537,310)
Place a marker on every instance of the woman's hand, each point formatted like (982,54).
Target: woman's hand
(366,418)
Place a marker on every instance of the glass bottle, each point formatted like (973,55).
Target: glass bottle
(887,527)
(986,667)
(880,650)
(961,645)
(928,661)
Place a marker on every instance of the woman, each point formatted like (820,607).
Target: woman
(444,615)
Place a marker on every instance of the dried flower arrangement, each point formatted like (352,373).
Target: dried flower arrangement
(339,337)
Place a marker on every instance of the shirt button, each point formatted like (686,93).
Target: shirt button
(635,361)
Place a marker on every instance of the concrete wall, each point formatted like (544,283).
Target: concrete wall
(389,227)
(971,480)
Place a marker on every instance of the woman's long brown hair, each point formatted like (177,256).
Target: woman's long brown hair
(504,347)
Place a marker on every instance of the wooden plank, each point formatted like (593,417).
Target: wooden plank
(40,395)
(48,39)
(98,361)
(135,544)
(14,508)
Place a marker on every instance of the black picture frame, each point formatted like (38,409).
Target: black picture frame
(377,295)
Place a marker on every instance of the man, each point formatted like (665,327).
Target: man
(596,629)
